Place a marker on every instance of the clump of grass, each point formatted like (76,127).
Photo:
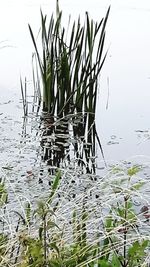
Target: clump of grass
(70,65)
(67,71)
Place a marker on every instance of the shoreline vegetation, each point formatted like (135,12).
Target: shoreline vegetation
(82,219)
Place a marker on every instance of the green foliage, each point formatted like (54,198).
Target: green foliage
(55,186)
(70,64)
(137,252)
(3,246)
(3,194)
(122,224)
(32,253)
(119,242)
(133,171)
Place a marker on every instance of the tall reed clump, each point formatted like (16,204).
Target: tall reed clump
(70,63)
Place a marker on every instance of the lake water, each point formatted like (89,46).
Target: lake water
(123,127)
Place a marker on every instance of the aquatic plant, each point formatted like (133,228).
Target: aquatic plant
(70,63)
(67,66)
(24,96)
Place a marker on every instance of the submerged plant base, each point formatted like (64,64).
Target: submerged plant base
(71,136)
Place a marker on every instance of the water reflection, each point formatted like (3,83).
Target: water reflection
(54,141)
(71,137)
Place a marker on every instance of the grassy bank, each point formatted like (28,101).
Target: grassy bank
(90,221)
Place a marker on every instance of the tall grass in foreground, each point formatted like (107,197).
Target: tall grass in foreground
(70,63)
(72,227)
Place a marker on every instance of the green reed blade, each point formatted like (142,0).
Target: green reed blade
(37,53)
(71,38)
(97,27)
(50,28)
(102,36)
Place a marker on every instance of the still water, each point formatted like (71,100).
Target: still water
(123,109)
(123,126)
